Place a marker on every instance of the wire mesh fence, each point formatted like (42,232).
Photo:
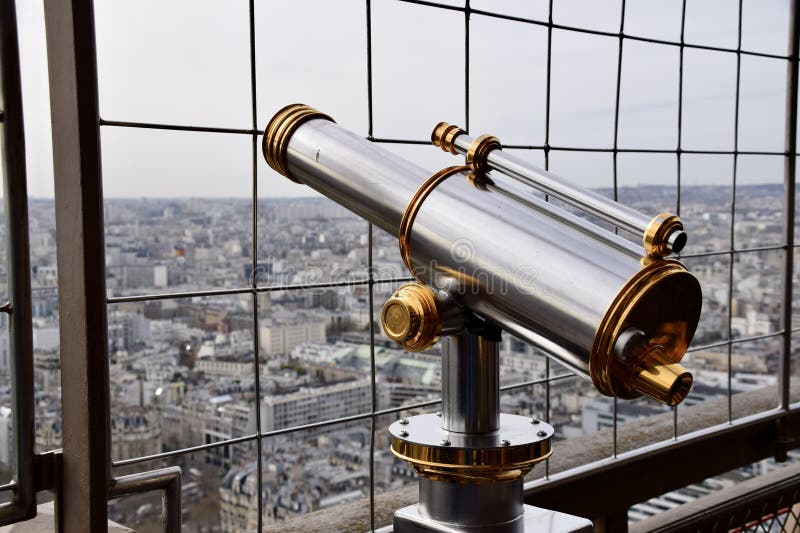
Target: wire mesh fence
(552,151)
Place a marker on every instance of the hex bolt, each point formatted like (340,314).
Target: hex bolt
(504,442)
(541,433)
(404,433)
(404,421)
(535,420)
(438,413)
(445,442)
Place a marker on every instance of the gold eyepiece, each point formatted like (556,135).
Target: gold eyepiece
(411,319)
(646,332)
(661,379)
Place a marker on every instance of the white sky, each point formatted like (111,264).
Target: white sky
(187,62)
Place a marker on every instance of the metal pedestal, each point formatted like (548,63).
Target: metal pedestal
(534,519)
(471,459)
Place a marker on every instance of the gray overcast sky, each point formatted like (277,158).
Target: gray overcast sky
(187,62)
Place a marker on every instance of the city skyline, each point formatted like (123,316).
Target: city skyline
(203,80)
(243,310)
(183,368)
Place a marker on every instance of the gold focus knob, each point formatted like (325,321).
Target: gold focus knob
(410,317)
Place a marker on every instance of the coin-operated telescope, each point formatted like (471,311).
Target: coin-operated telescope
(489,255)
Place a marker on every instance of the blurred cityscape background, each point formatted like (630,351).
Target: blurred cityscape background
(183,369)
(187,214)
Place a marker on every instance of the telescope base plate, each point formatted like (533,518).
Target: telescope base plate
(502,455)
(533,520)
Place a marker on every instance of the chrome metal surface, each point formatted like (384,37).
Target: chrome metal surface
(534,520)
(451,315)
(630,340)
(470,384)
(542,280)
(476,504)
(426,430)
(510,188)
(547,182)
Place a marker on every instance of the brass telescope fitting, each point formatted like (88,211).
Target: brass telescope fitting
(413,207)
(280,130)
(664,235)
(471,458)
(479,150)
(656,296)
(658,377)
(662,304)
(443,136)
(411,319)
(596,304)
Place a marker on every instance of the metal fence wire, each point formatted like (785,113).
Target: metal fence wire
(787,247)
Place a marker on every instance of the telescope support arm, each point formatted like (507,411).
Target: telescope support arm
(471,459)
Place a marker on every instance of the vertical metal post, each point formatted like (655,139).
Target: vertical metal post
(254,256)
(789,179)
(19,278)
(373,418)
(72,63)
(732,228)
(547,113)
(470,384)
(615,154)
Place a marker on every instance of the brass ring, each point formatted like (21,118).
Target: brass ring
(444,136)
(478,152)
(658,231)
(491,465)
(413,207)
(280,130)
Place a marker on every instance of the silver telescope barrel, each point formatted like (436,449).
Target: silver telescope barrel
(661,235)
(501,186)
(622,321)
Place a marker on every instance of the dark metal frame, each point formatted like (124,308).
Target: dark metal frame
(758,504)
(18,308)
(86,481)
(87,466)
(605,490)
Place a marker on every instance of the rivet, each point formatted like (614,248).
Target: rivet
(445,442)
(505,443)
(535,420)
(438,413)
(541,433)
(404,421)
(404,433)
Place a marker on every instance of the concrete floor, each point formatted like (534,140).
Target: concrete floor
(44,523)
